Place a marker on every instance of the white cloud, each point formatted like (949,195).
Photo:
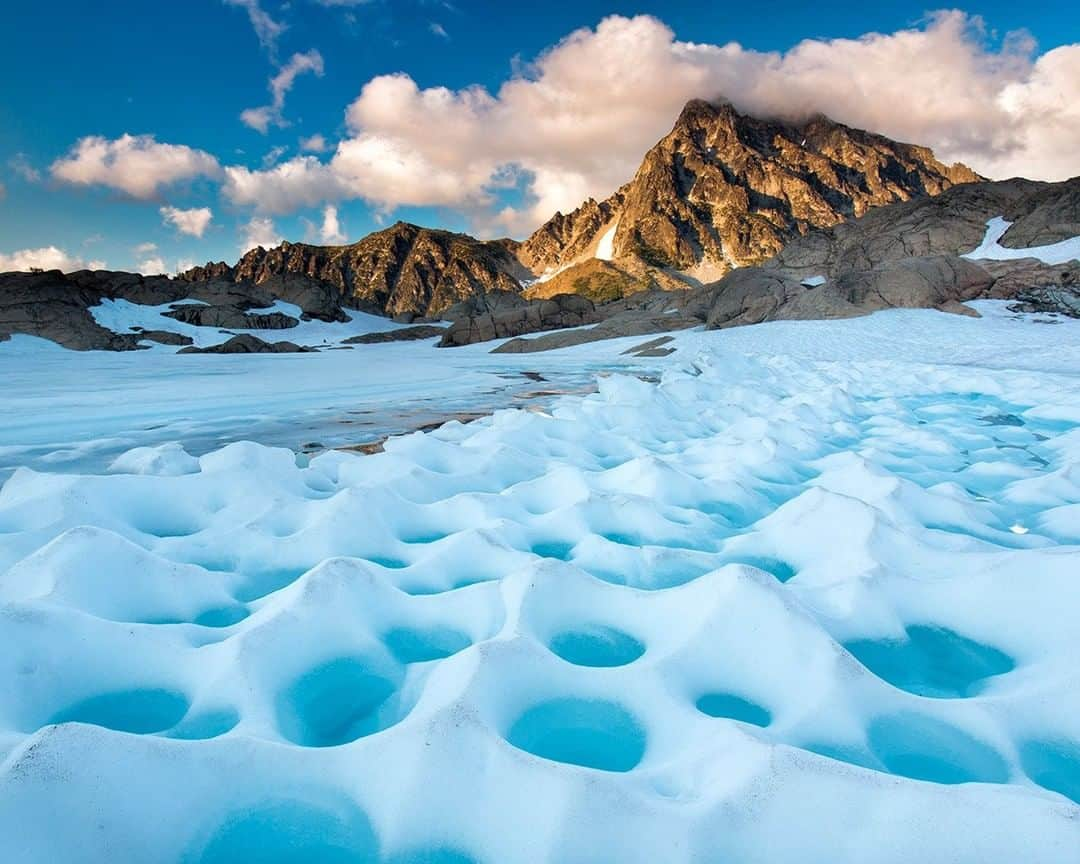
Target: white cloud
(331,231)
(260,231)
(576,122)
(136,164)
(153,265)
(46,258)
(261,119)
(145,248)
(313,144)
(192,222)
(20,165)
(303,181)
(267,30)
(437,29)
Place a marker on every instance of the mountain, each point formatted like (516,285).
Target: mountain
(725,190)
(404,270)
(721,190)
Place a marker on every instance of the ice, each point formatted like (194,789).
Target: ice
(767,605)
(991,249)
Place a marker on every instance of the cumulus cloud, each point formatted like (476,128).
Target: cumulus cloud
(262,118)
(331,231)
(267,30)
(192,222)
(46,258)
(303,181)
(576,122)
(138,165)
(260,231)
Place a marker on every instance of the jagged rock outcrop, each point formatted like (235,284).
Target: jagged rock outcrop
(724,190)
(570,237)
(403,269)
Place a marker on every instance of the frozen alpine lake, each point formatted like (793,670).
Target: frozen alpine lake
(805,591)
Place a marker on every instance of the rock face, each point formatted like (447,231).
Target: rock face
(949,224)
(907,255)
(55,306)
(723,190)
(755,294)
(404,269)
(515,319)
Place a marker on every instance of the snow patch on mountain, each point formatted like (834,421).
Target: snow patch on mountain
(605,248)
(992,250)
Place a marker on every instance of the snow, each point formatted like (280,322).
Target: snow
(814,281)
(772,606)
(991,249)
(550,273)
(123,316)
(605,248)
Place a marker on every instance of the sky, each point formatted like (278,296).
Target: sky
(155,136)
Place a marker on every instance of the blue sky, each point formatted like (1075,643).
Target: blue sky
(183,72)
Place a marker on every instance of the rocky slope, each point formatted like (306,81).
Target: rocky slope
(951,223)
(725,190)
(403,270)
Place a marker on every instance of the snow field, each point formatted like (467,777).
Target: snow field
(765,610)
(123,316)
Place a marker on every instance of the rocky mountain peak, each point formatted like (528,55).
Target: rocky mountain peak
(723,189)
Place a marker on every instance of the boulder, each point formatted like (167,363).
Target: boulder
(564,310)
(229,317)
(248,344)
(755,294)
(625,323)
(402,334)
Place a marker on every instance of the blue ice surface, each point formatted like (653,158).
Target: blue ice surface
(596,645)
(733,707)
(932,661)
(590,733)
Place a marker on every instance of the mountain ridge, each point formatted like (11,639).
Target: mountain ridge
(720,190)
